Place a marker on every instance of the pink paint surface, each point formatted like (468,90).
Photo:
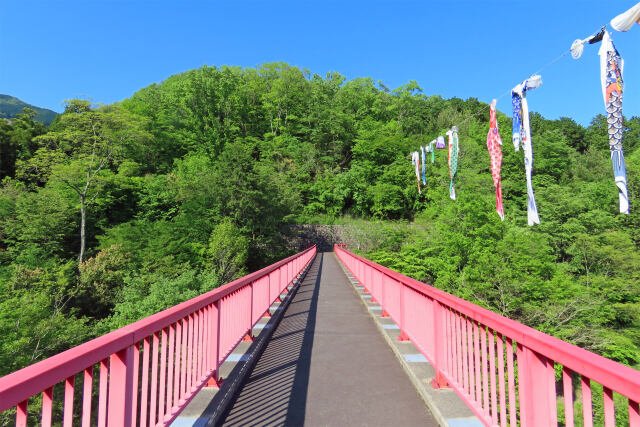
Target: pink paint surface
(181,349)
(471,358)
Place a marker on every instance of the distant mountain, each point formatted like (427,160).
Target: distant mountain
(10,107)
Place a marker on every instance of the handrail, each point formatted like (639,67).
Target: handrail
(456,334)
(219,318)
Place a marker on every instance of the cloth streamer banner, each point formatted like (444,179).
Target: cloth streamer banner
(424,178)
(611,68)
(522,135)
(611,71)
(625,21)
(494,145)
(578,45)
(454,152)
(431,149)
(415,160)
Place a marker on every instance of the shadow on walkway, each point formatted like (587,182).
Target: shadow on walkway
(275,393)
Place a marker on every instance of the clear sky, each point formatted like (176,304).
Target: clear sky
(107,49)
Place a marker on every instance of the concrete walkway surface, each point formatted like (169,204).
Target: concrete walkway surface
(327,364)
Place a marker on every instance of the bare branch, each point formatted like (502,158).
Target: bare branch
(70,184)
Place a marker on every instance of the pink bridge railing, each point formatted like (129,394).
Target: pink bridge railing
(504,370)
(181,350)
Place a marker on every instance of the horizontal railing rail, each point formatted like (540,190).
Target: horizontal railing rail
(467,345)
(181,349)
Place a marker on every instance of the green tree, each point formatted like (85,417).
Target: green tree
(227,251)
(83,145)
(17,140)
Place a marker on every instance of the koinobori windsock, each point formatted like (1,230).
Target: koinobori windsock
(454,151)
(494,145)
(522,135)
(611,68)
(578,45)
(415,160)
(431,149)
(424,178)
(625,21)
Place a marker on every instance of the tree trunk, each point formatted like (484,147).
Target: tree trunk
(83,221)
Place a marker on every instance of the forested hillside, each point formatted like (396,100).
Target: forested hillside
(11,106)
(115,212)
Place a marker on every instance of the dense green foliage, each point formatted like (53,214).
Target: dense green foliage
(10,107)
(187,184)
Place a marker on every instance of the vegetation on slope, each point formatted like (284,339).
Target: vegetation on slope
(186,185)
(10,107)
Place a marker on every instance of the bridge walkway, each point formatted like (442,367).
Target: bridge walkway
(327,364)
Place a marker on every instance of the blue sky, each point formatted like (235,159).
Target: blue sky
(107,49)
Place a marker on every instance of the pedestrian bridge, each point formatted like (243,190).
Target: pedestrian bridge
(324,339)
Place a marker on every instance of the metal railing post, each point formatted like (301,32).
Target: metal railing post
(215,380)
(249,336)
(383,293)
(439,337)
(268,312)
(121,388)
(537,390)
(403,335)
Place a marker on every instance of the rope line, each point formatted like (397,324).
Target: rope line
(544,67)
(508,92)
